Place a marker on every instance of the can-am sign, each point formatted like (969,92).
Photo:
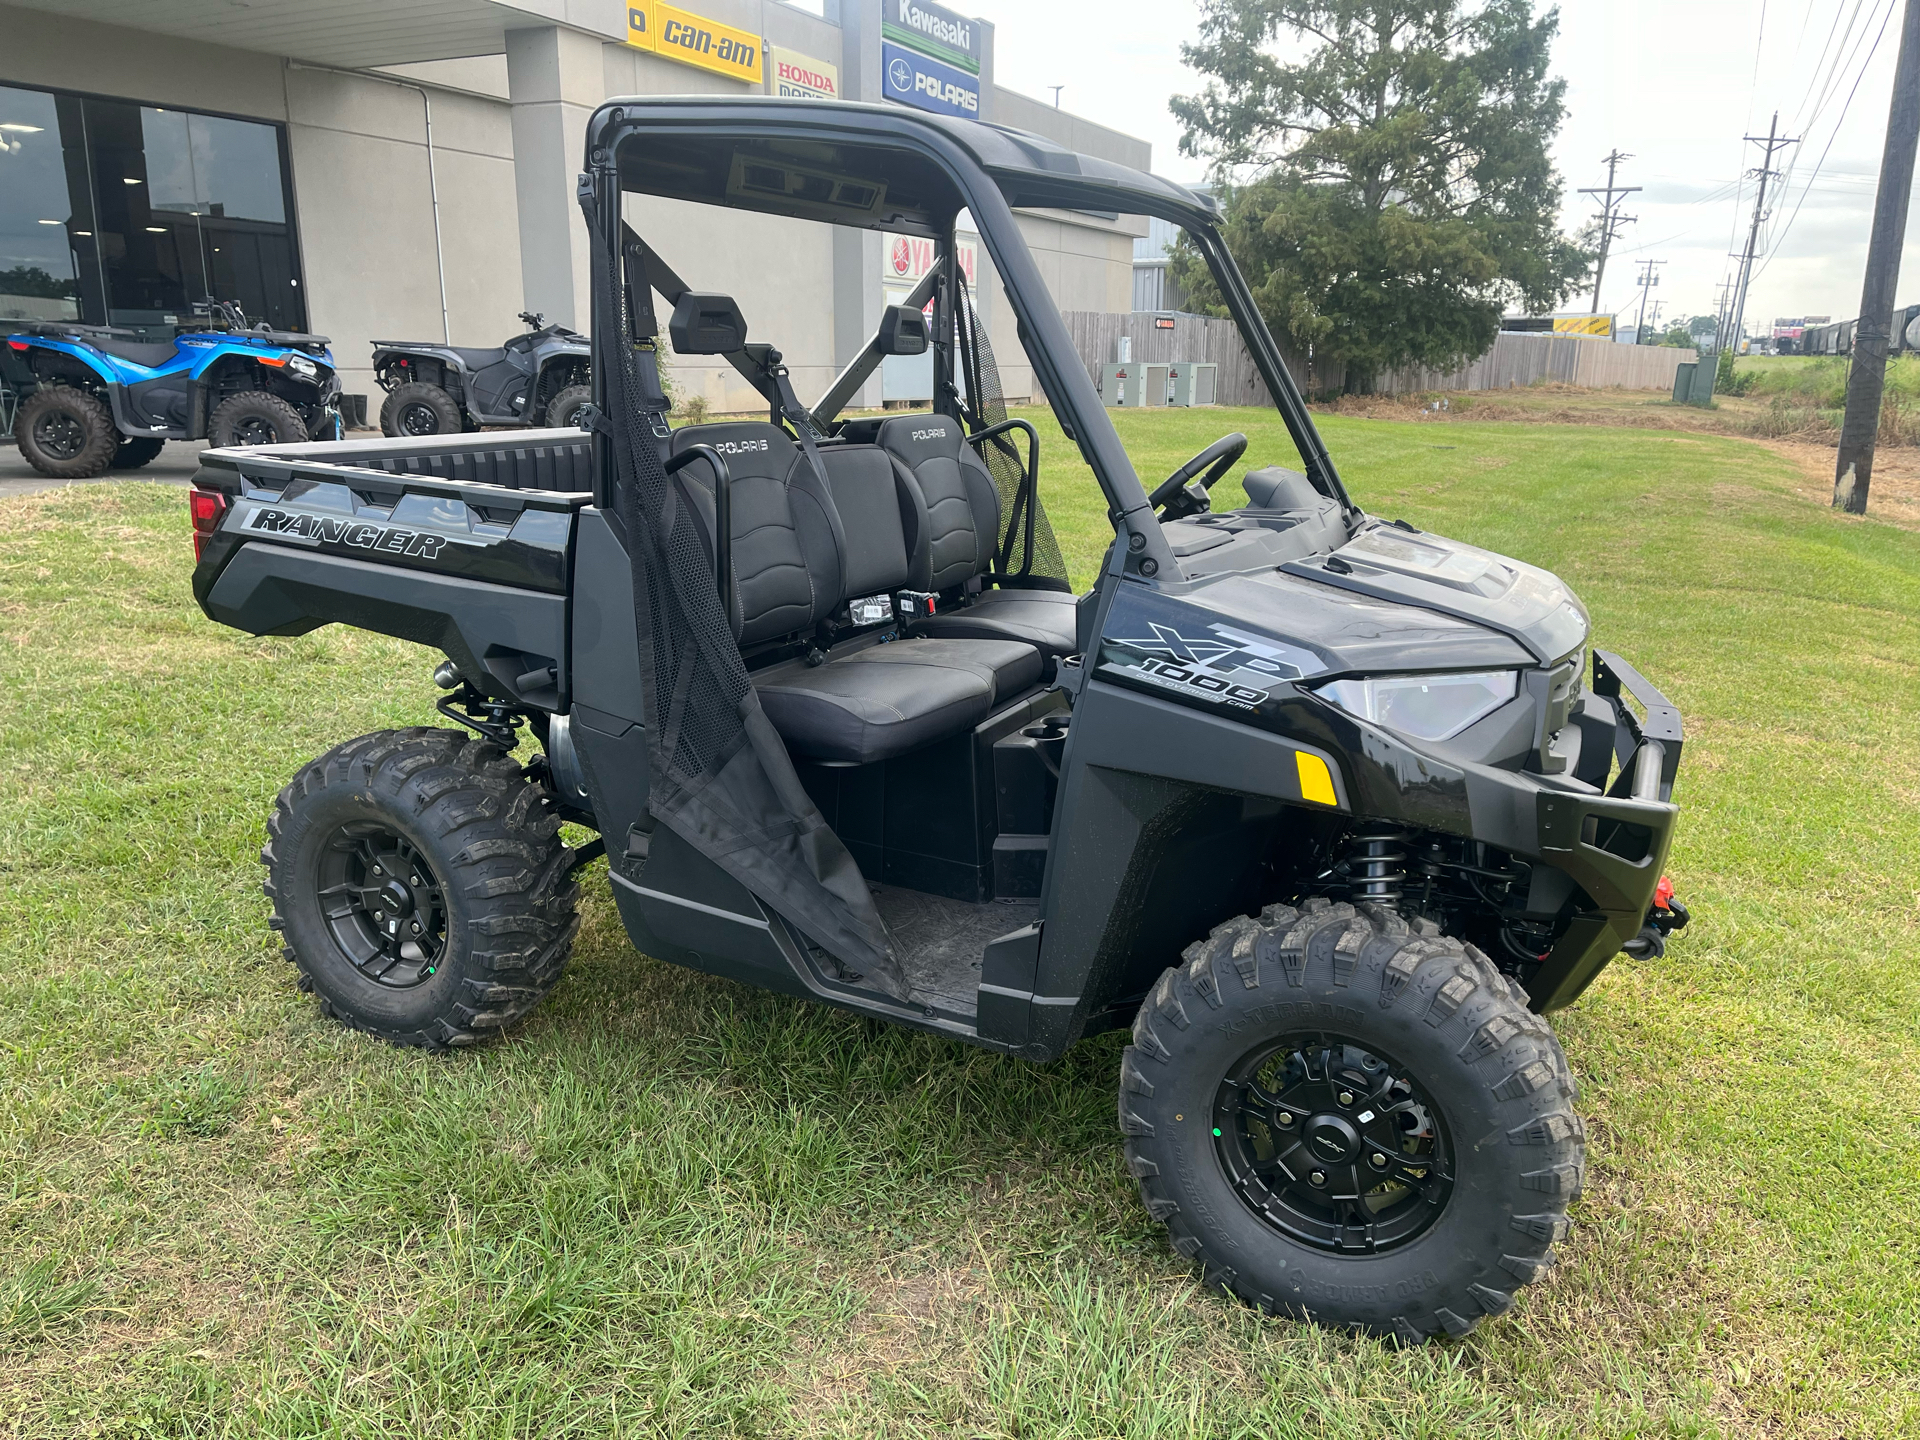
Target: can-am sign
(800,75)
(676,34)
(932,30)
(914,79)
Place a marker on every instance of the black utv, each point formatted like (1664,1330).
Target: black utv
(540,378)
(1328,812)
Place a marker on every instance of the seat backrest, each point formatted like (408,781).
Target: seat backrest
(787,540)
(957,520)
(874,504)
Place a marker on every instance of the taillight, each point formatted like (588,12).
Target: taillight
(206,507)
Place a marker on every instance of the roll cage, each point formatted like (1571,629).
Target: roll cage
(885,168)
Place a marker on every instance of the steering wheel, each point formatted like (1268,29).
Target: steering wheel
(1181,494)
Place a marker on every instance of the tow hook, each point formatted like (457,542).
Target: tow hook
(1666,916)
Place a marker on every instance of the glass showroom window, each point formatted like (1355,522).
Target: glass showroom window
(133,213)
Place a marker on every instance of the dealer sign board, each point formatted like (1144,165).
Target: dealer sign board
(676,34)
(803,76)
(927,84)
(933,30)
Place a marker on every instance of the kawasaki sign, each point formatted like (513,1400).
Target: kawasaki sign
(933,30)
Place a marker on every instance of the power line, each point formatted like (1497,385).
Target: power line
(1773,140)
(1867,64)
(1610,218)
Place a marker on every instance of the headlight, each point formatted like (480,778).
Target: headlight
(1425,707)
(302,366)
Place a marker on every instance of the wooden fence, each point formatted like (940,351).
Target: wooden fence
(1514,359)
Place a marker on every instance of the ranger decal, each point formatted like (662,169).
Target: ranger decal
(332,530)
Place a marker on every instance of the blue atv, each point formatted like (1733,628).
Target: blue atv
(102,400)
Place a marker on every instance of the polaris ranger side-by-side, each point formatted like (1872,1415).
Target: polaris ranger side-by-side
(1330,812)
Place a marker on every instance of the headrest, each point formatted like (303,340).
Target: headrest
(706,325)
(921,437)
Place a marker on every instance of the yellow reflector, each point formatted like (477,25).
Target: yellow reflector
(1316,783)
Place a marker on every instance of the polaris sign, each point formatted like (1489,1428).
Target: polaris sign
(914,79)
(933,30)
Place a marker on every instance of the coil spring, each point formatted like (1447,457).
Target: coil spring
(1377,864)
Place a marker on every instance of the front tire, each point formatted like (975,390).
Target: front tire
(136,451)
(65,433)
(417,408)
(420,883)
(1351,1122)
(564,409)
(255,417)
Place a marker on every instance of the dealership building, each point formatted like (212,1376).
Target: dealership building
(404,169)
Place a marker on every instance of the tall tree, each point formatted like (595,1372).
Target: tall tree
(1399,195)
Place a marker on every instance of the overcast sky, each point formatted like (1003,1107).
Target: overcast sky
(1675,86)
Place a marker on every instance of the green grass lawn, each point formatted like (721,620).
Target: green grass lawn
(670,1206)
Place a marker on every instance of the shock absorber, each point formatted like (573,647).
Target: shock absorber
(1377,864)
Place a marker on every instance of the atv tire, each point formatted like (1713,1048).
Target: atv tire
(255,417)
(1430,1147)
(421,887)
(65,433)
(418,408)
(135,451)
(564,408)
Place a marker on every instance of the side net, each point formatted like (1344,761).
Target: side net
(719,776)
(1030,557)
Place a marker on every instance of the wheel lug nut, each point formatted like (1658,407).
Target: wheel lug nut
(1379,1162)
(416,927)
(1345,1097)
(1286,1121)
(1318,1177)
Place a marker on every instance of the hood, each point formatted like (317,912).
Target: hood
(1396,563)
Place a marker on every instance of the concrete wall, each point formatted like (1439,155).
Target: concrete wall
(358,150)
(510,234)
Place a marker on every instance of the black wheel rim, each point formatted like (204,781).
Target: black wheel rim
(1333,1144)
(418,418)
(254,430)
(383,905)
(60,435)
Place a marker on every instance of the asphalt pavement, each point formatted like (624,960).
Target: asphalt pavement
(174,465)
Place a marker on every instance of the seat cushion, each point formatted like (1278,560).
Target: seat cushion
(885,700)
(139,352)
(1041,618)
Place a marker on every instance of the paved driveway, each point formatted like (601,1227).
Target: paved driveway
(174,465)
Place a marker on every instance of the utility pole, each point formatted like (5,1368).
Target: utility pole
(1773,140)
(1647,281)
(1866,380)
(1610,219)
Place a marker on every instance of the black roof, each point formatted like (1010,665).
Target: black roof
(695,144)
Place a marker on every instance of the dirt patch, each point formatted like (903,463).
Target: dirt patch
(1894,495)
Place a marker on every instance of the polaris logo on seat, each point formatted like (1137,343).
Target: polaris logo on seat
(737,447)
(930,434)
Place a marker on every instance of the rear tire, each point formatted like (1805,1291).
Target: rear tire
(418,408)
(419,881)
(65,433)
(255,417)
(564,409)
(135,451)
(1435,1125)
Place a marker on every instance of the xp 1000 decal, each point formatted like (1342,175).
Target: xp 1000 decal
(1221,664)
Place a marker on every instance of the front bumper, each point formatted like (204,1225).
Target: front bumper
(1611,843)
(1606,824)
